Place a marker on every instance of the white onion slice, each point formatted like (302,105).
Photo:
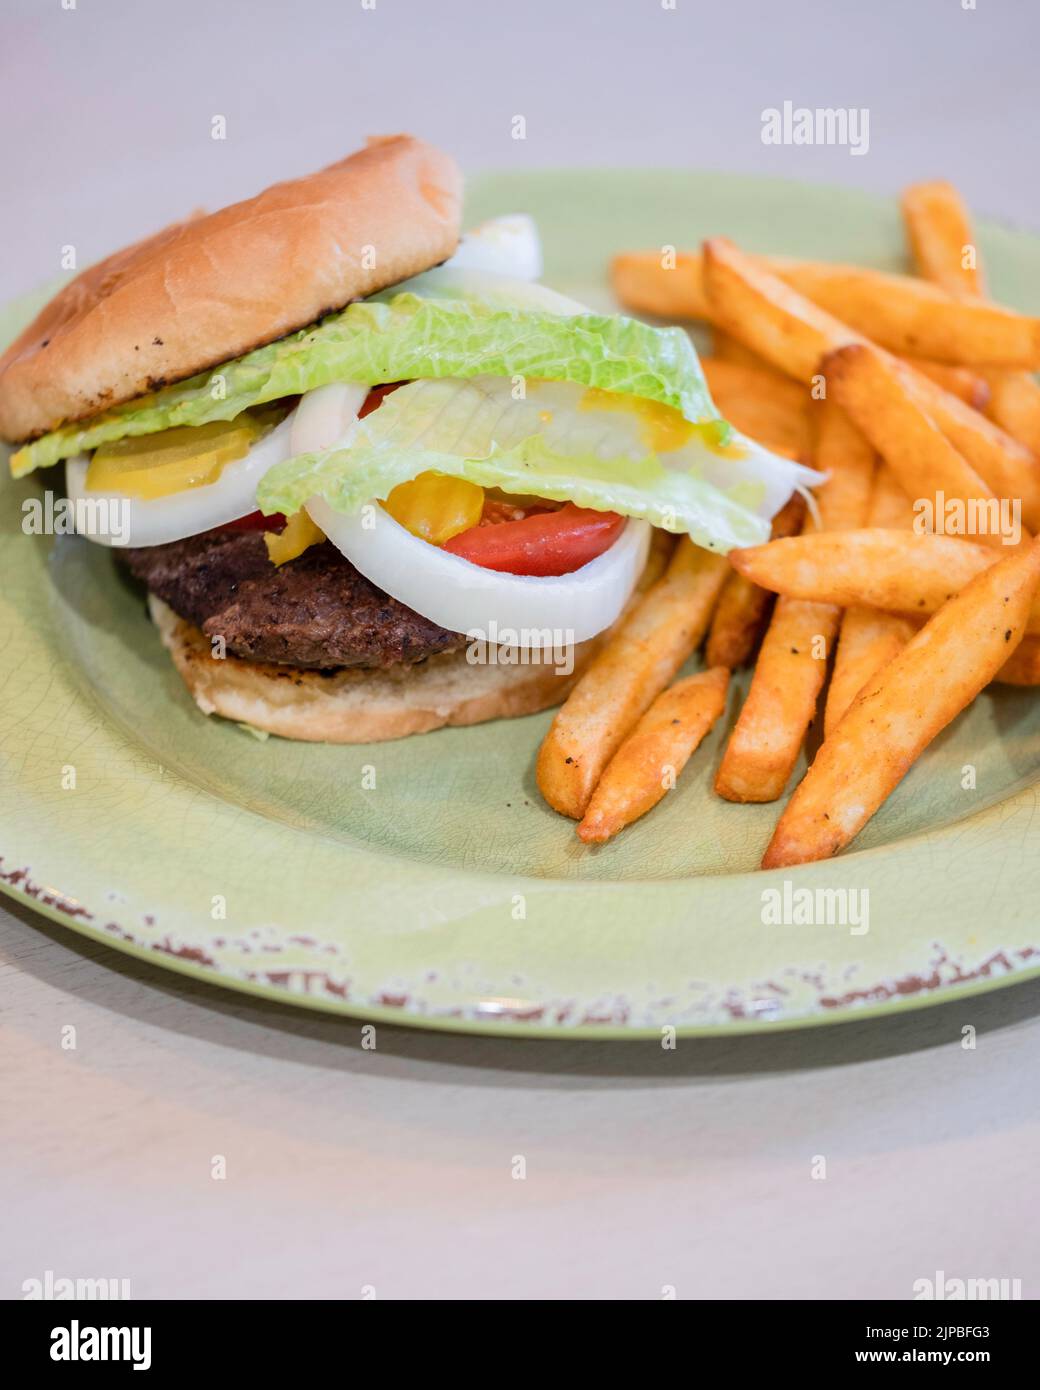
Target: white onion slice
(326,417)
(509,245)
(523,610)
(113,518)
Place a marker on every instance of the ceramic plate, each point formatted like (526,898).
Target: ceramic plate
(424,881)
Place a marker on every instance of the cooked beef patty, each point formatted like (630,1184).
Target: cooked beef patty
(315,611)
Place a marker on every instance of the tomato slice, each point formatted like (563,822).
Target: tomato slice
(546,543)
(376,396)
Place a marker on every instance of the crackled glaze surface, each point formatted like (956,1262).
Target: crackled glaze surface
(447,894)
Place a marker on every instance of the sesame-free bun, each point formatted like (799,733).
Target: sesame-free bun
(214,287)
(355,705)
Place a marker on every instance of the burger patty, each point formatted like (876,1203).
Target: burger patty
(315,611)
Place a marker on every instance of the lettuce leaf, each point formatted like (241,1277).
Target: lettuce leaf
(404,338)
(557,442)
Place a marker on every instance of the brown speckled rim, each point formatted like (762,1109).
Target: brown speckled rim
(997,971)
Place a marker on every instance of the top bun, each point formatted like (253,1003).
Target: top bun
(214,287)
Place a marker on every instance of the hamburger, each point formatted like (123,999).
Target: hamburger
(375,479)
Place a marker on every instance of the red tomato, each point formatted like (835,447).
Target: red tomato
(376,396)
(546,543)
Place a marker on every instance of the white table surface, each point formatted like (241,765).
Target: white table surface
(392,1169)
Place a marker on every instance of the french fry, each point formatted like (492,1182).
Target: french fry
(899,572)
(941,238)
(869,638)
(659,557)
(1014,405)
(762,404)
(878,567)
(1005,464)
(768,316)
(770,730)
(792,334)
(843,453)
(646,765)
(1023,665)
(905,315)
(946,253)
(963,456)
(743,609)
(792,664)
(727,349)
(663,629)
(893,720)
(889,504)
(870,385)
(655,282)
(738,623)
(916,319)
(973,388)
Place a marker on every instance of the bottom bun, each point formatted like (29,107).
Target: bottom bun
(354,705)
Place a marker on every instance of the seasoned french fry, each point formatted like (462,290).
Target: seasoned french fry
(913,318)
(1023,665)
(743,609)
(1005,464)
(768,316)
(762,404)
(767,737)
(870,385)
(843,453)
(878,567)
(663,629)
(655,752)
(893,720)
(906,315)
(784,328)
(789,332)
(727,349)
(1014,405)
(792,664)
(659,556)
(972,388)
(941,237)
(899,572)
(944,247)
(889,504)
(738,623)
(869,638)
(655,282)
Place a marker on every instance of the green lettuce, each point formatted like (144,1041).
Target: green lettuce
(553,442)
(401,339)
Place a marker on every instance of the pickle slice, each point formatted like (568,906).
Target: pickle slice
(156,465)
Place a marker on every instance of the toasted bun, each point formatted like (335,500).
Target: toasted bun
(359,706)
(215,287)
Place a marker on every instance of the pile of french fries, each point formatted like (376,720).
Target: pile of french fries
(902,390)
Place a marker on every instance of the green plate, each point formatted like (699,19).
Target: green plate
(447,894)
